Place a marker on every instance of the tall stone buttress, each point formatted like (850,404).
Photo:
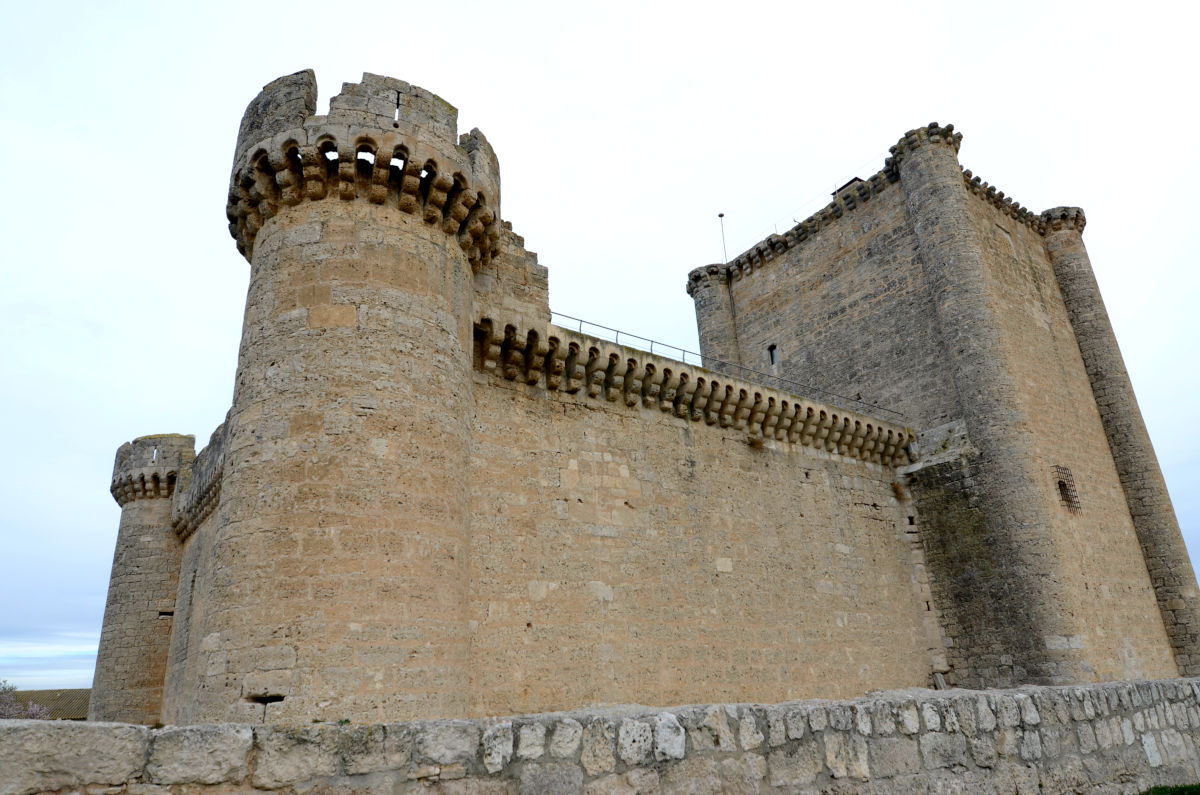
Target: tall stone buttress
(1150,507)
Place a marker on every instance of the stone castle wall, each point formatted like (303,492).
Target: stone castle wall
(428,501)
(622,552)
(1111,738)
(925,290)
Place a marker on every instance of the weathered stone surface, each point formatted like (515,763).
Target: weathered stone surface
(38,756)
(497,745)
(531,741)
(796,766)
(635,739)
(564,744)
(290,755)
(551,779)
(634,750)
(597,753)
(670,741)
(446,742)
(200,754)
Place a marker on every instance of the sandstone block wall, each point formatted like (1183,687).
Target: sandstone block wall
(926,290)
(620,551)
(1120,737)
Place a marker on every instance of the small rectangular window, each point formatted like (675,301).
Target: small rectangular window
(773,354)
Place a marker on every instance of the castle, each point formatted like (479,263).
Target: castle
(429,501)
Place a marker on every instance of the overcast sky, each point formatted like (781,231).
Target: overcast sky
(622,130)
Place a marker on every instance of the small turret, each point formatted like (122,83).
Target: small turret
(709,288)
(132,659)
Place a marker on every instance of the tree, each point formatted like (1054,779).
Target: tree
(13,707)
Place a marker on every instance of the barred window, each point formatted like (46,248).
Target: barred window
(1067,494)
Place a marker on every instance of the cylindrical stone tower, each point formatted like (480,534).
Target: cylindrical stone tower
(1154,519)
(989,537)
(340,550)
(139,614)
(709,288)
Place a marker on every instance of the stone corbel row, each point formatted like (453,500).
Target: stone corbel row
(852,197)
(144,485)
(310,165)
(203,493)
(1001,202)
(593,369)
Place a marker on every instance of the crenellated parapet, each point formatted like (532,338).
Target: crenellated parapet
(1058,219)
(384,141)
(199,498)
(853,197)
(931,134)
(590,369)
(149,467)
(1004,204)
(707,276)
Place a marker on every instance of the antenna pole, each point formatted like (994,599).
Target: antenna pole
(721,216)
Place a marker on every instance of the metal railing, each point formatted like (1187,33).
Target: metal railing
(729,368)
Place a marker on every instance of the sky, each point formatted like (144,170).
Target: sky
(622,129)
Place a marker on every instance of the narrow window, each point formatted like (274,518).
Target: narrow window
(773,354)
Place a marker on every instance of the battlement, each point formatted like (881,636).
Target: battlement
(1059,218)
(200,495)
(932,133)
(593,369)
(149,466)
(855,195)
(384,141)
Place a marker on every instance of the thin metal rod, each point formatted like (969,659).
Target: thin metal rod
(724,252)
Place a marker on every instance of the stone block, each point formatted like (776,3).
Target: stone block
(635,782)
(846,755)
(635,739)
(38,755)
(531,741)
(362,749)
(670,740)
(564,743)
(199,754)
(446,742)
(893,756)
(597,753)
(943,750)
(797,766)
(497,745)
(538,779)
(286,756)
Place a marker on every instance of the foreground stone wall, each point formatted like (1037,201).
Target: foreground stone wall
(1115,737)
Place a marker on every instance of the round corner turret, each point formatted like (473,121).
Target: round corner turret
(1059,218)
(706,274)
(150,466)
(384,141)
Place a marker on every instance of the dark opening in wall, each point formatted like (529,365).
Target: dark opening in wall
(1067,495)
(264,699)
(773,354)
